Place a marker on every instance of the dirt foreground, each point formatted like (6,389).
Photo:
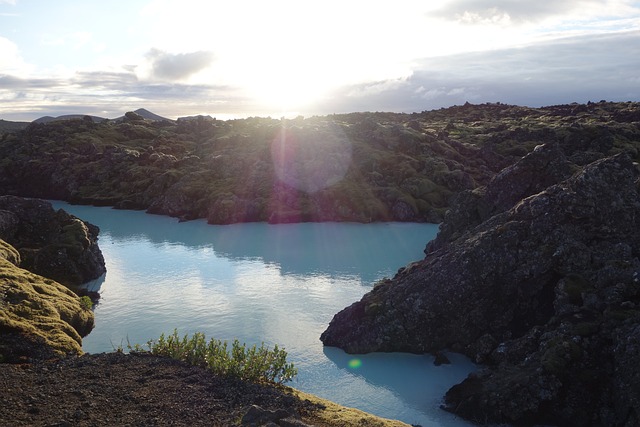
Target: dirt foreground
(143,390)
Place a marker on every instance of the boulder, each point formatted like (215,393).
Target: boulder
(51,243)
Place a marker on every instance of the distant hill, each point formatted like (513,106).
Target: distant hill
(47,119)
(8,126)
(145,114)
(200,117)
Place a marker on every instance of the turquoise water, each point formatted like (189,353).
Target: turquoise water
(274,283)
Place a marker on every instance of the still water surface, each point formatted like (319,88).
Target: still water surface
(257,282)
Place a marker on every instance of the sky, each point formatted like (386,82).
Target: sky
(241,58)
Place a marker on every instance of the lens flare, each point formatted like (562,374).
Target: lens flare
(311,158)
(355,363)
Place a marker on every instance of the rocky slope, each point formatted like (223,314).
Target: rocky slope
(352,167)
(536,276)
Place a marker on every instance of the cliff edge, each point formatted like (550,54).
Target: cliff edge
(537,277)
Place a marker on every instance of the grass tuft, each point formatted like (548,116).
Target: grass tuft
(256,364)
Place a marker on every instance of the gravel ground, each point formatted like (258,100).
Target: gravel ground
(139,390)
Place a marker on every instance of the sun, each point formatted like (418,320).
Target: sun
(289,82)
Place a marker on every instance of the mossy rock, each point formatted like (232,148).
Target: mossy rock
(9,253)
(41,312)
(332,414)
(75,236)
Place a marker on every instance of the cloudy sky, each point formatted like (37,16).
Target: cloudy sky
(239,58)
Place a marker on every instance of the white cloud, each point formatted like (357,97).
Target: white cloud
(376,88)
(254,57)
(473,11)
(180,66)
(11,61)
(575,69)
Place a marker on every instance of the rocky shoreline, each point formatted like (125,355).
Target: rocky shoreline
(536,276)
(51,243)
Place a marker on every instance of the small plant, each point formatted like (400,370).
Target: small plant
(257,364)
(86,303)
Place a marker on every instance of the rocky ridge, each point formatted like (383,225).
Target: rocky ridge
(358,167)
(536,276)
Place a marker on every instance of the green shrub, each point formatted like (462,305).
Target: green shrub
(257,364)
(86,302)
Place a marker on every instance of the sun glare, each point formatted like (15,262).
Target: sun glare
(286,86)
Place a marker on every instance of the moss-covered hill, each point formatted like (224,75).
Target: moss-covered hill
(350,167)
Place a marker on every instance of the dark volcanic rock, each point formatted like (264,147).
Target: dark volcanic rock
(544,166)
(541,285)
(51,243)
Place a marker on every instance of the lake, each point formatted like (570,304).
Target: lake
(277,284)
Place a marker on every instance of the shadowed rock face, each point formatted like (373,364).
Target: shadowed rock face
(539,281)
(51,243)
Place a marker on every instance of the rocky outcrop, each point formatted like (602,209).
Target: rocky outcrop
(544,166)
(39,318)
(537,277)
(51,243)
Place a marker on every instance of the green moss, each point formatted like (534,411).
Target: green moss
(9,253)
(75,235)
(109,162)
(86,303)
(43,309)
